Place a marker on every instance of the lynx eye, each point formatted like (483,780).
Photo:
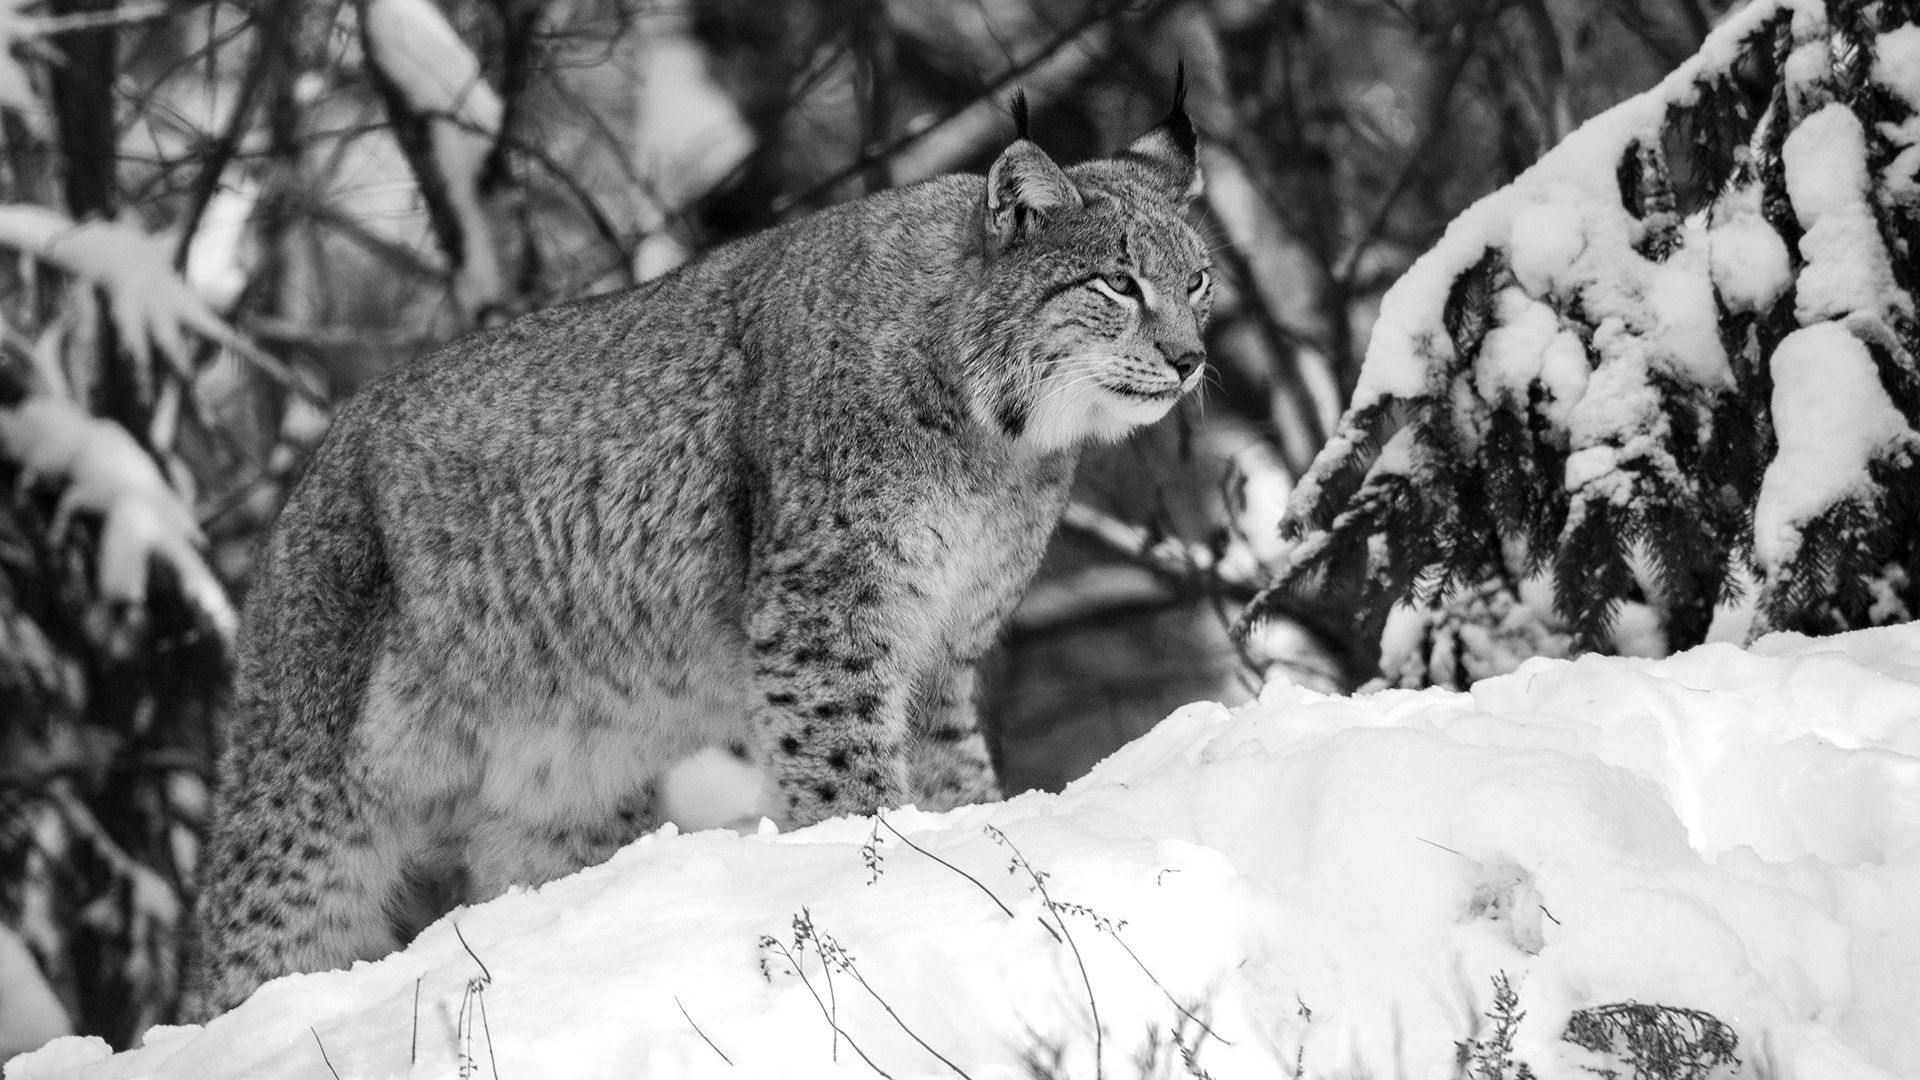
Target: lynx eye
(1199,282)
(1120,288)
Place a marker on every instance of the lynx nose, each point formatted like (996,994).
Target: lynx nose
(1184,364)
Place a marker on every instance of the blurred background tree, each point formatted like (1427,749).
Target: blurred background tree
(229,215)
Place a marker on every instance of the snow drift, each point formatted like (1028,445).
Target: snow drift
(1325,883)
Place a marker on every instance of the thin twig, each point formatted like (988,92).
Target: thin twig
(268,364)
(869,158)
(1192,569)
(484,973)
(239,496)
(289,332)
(1175,1002)
(49,25)
(767,941)
(702,1034)
(1040,886)
(323,1052)
(413,1048)
(862,980)
(1174,561)
(976,881)
(207,183)
(463,1030)
(398,255)
(487,1030)
(1283,344)
(1422,153)
(1093,1006)
(597,216)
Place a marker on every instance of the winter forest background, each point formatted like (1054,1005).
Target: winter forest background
(1577,431)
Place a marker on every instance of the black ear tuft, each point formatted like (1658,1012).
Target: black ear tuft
(1019,105)
(1170,152)
(1177,123)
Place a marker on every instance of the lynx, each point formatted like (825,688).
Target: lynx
(783,498)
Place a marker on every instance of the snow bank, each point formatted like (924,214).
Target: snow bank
(1324,880)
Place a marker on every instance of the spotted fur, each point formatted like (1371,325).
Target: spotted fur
(786,496)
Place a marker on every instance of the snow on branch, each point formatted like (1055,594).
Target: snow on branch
(152,307)
(688,134)
(107,473)
(1681,345)
(17,28)
(446,119)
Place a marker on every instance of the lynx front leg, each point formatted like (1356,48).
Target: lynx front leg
(833,702)
(947,760)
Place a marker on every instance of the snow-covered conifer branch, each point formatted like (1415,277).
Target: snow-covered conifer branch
(108,474)
(152,306)
(1683,343)
(447,120)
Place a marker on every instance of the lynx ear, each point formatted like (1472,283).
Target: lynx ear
(1025,187)
(1169,151)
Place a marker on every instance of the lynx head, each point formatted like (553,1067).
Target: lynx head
(1095,291)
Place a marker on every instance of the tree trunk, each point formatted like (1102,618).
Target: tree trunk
(83,124)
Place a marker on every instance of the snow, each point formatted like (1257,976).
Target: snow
(30,1015)
(1266,486)
(1846,262)
(1573,254)
(1896,62)
(1332,880)
(107,473)
(1547,237)
(1589,465)
(414,46)
(1832,418)
(1560,224)
(1513,353)
(1571,246)
(1751,268)
(1809,67)
(1396,457)
(1606,320)
(688,135)
(1478,633)
(16,86)
(1686,326)
(1490,630)
(152,307)
(216,255)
